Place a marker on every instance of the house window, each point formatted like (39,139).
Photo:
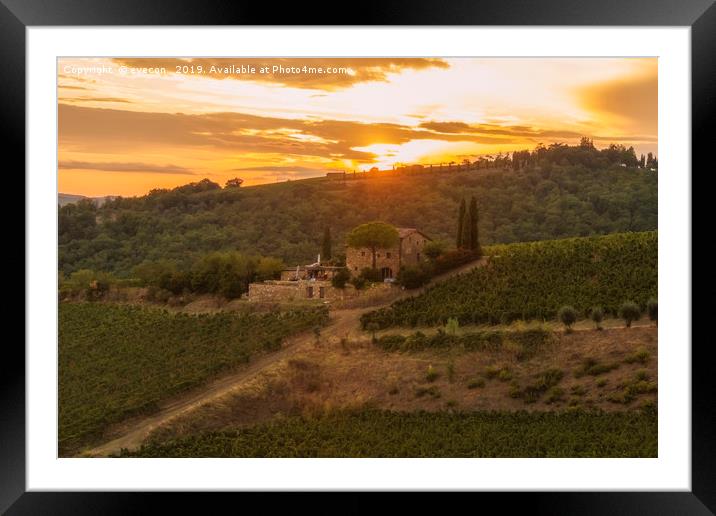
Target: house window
(321,292)
(418,256)
(309,292)
(387,255)
(355,268)
(377,255)
(362,253)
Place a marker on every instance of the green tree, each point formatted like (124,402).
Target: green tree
(374,236)
(568,316)
(460,221)
(652,308)
(340,278)
(326,247)
(466,231)
(597,316)
(474,235)
(629,311)
(269,268)
(234,182)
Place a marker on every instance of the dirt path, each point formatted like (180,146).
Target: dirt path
(344,323)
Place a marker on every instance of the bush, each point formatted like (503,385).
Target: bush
(629,311)
(652,309)
(412,277)
(451,326)
(597,316)
(358,282)
(593,368)
(432,374)
(568,316)
(641,356)
(453,259)
(340,278)
(433,250)
(474,384)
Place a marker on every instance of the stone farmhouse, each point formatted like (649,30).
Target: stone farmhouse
(313,282)
(408,251)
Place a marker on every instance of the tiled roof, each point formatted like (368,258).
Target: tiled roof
(404,232)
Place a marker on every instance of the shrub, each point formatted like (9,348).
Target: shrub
(451,326)
(452,259)
(432,374)
(629,311)
(652,309)
(494,371)
(640,355)
(554,395)
(597,316)
(389,342)
(433,250)
(372,328)
(416,341)
(568,316)
(474,384)
(433,391)
(451,371)
(412,277)
(578,390)
(340,278)
(593,368)
(358,282)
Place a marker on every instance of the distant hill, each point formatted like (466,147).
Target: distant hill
(287,220)
(64,199)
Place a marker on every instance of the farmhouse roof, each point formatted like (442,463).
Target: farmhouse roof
(404,232)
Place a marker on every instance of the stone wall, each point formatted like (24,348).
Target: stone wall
(412,248)
(283,291)
(359,259)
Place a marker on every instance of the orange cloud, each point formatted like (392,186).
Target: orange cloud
(123,167)
(628,101)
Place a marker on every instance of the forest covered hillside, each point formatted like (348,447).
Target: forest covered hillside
(517,203)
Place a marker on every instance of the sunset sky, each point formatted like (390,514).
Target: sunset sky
(124,131)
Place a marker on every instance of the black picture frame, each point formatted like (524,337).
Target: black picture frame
(700,15)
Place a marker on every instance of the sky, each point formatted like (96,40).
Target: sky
(128,125)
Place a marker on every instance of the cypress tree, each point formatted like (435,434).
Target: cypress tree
(466,231)
(326,247)
(473,224)
(459,242)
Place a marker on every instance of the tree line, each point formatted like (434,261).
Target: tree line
(540,200)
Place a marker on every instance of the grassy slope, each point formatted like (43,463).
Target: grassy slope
(115,361)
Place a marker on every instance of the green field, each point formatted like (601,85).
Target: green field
(374,433)
(116,361)
(533,280)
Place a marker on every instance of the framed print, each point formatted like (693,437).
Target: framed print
(423,252)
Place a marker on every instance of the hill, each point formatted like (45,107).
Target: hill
(533,280)
(287,220)
(63,199)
